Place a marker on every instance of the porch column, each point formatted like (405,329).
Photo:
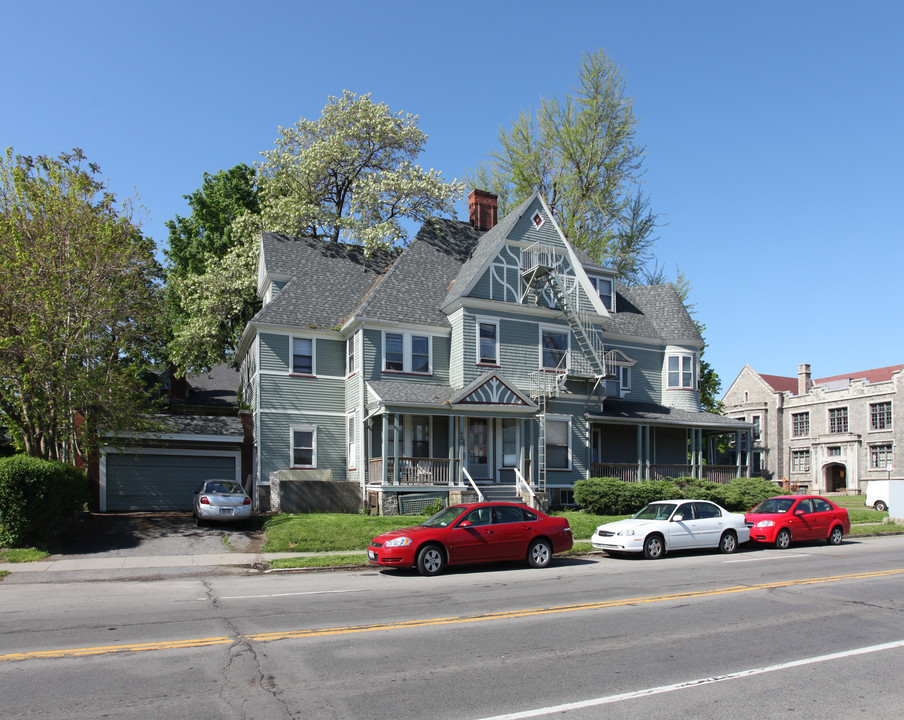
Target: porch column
(385,472)
(396,436)
(737,443)
(640,452)
(646,433)
(452,478)
(692,458)
(749,452)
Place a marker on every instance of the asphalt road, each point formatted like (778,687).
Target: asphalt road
(815,631)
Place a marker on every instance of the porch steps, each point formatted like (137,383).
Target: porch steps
(500,493)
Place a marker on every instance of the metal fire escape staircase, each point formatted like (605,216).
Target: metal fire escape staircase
(541,268)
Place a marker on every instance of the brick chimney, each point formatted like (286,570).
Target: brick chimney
(803,379)
(482,209)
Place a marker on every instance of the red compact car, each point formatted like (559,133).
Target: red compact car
(473,533)
(789,518)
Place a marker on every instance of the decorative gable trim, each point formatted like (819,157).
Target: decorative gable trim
(492,389)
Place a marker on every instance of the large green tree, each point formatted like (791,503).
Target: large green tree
(581,152)
(222,198)
(349,175)
(78,306)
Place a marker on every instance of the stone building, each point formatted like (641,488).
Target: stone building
(825,435)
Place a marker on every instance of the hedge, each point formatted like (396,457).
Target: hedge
(611,496)
(36,497)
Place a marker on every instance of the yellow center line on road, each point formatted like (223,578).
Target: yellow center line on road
(504,615)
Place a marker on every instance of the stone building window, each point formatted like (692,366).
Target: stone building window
(800,424)
(880,416)
(800,461)
(880,456)
(838,420)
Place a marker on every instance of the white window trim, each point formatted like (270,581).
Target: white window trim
(351,438)
(292,339)
(694,371)
(303,428)
(566,419)
(350,364)
(594,279)
(553,329)
(407,335)
(486,321)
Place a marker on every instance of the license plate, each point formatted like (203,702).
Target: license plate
(371,555)
(225,511)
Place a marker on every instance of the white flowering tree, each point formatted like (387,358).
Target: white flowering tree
(349,176)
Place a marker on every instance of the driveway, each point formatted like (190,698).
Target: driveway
(96,535)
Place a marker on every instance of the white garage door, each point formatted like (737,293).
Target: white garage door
(151,481)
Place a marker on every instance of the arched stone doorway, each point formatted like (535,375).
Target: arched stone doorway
(835,477)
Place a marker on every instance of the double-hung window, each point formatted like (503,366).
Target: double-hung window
(603,287)
(303,356)
(487,342)
(304,447)
(553,349)
(405,352)
(350,356)
(681,372)
(558,444)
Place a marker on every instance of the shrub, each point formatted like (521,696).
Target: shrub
(36,497)
(434,507)
(611,496)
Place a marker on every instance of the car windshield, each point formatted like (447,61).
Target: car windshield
(655,511)
(774,506)
(224,486)
(444,517)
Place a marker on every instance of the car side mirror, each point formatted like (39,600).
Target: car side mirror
(799,513)
(677,518)
(464,523)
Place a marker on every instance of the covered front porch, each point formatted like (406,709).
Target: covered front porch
(428,440)
(645,441)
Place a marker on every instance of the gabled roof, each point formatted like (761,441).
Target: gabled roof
(412,290)
(781,384)
(328,282)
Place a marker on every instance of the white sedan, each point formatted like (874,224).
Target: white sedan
(668,525)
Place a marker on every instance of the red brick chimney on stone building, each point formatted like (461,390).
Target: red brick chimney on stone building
(482,209)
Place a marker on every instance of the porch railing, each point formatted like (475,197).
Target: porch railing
(413,471)
(631,472)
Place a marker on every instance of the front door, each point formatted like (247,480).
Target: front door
(479,449)
(507,447)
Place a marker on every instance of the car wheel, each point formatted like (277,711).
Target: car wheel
(879,505)
(539,554)
(835,536)
(430,560)
(653,547)
(728,543)
(783,539)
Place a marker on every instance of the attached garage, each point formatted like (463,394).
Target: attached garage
(159,473)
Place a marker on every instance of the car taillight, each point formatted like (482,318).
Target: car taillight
(246,501)
(204,500)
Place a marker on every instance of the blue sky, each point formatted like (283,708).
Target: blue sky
(772,129)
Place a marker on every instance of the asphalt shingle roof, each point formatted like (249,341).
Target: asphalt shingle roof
(653,413)
(328,281)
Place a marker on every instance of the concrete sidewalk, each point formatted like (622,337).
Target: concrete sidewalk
(159,561)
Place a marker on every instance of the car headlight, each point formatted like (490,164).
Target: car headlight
(398,542)
(765,523)
(626,532)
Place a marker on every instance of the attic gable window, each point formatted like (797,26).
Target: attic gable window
(537,219)
(604,289)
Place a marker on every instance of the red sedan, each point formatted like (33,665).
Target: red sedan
(789,518)
(473,533)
